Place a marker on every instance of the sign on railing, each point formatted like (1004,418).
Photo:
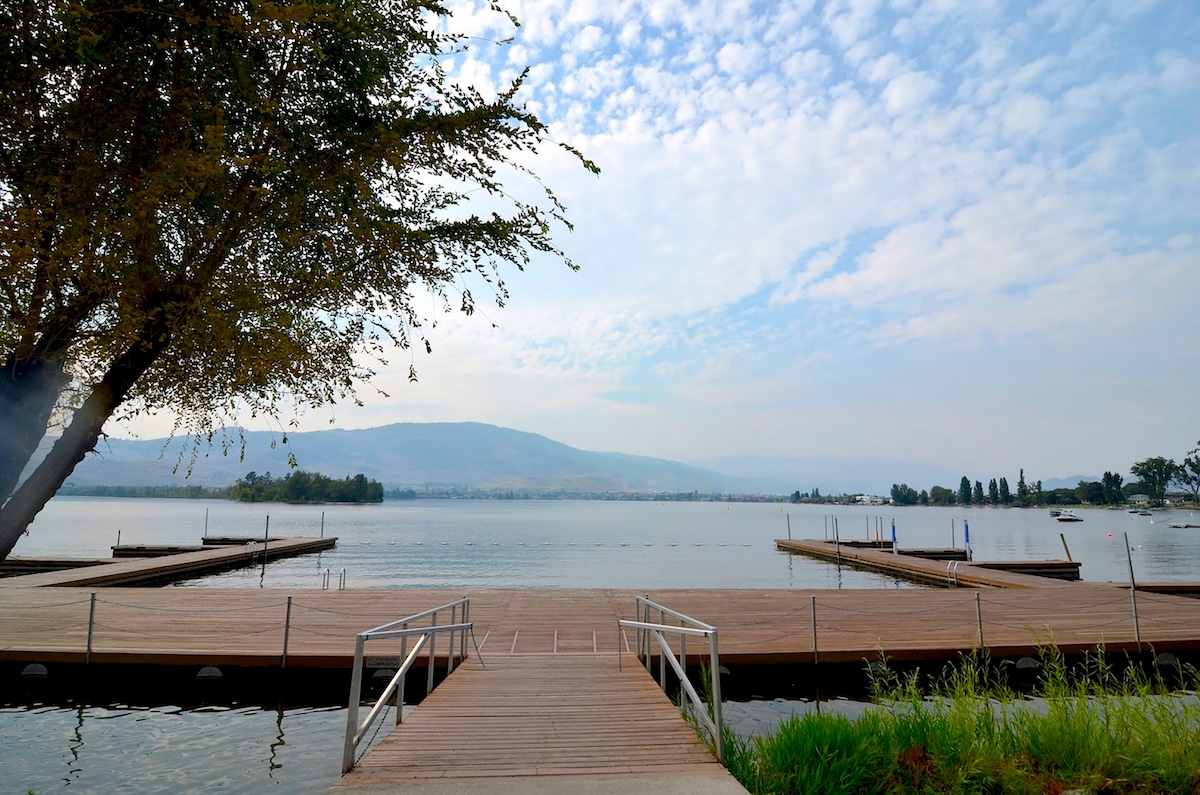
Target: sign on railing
(649,633)
(425,636)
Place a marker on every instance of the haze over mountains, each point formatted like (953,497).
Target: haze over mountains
(482,456)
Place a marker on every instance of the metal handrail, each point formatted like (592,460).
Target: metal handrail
(648,631)
(426,636)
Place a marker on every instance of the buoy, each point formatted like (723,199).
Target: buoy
(34,671)
(1110,535)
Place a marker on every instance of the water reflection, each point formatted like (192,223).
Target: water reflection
(118,749)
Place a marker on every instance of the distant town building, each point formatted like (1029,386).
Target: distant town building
(1139,499)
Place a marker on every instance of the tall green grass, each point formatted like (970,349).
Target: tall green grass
(1090,728)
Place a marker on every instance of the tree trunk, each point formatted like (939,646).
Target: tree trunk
(28,393)
(80,436)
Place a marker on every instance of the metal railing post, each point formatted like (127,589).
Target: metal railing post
(1137,630)
(450,651)
(287,628)
(400,691)
(714,663)
(352,707)
(682,648)
(662,657)
(462,639)
(87,655)
(432,658)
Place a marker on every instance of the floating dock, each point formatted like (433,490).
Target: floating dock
(157,570)
(937,569)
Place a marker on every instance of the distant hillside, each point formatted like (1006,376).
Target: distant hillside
(415,454)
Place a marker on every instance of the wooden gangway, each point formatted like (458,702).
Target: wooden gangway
(530,718)
(171,568)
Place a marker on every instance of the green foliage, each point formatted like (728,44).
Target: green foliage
(977,495)
(1093,729)
(1156,475)
(939,495)
(220,211)
(300,486)
(903,494)
(172,492)
(964,491)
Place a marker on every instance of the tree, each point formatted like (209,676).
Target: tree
(939,495)
(1039,496)
(1188,475)
(923,497)
(977,496)
(217,207)
(1024,498)
(1090,491)
(993,492)
(1111,483)
(964,491)
(904,494)
(1005,495)
(1156,475)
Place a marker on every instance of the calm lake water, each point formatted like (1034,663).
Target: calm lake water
(119,749)
(591,544)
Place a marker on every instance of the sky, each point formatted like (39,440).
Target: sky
(921,230)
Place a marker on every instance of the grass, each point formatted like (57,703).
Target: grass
(1091,729)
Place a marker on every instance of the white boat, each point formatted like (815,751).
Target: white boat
(1068,516)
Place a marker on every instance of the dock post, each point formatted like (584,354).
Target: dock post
(1137,630)
(895,549)
(814,625)
(87,656)
(1062,537)
(967,537)
(266,535)
(789,522)
(979,618)
(287,628)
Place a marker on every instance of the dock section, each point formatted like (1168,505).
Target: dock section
(143,571)
(258,627)
(542,723)
(940,569)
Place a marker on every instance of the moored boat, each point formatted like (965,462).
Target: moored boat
(1068,516)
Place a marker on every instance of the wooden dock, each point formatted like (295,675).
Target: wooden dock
(549,719)
(243,627)
(171,568)
(938,569)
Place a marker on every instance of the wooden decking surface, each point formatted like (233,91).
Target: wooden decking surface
(526,716)
(209,626)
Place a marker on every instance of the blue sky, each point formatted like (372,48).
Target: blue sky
(961,233)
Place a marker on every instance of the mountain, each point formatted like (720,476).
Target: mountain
(411,454)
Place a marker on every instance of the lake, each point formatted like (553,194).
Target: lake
(445,543)
(594,544)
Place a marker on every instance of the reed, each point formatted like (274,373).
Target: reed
(1089,728)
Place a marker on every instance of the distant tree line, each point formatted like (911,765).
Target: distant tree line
(300,486)
(174,492)
(1154,476)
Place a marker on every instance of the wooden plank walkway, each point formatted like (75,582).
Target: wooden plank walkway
(209,626)
(525,717)
(936,572)
(171,568)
